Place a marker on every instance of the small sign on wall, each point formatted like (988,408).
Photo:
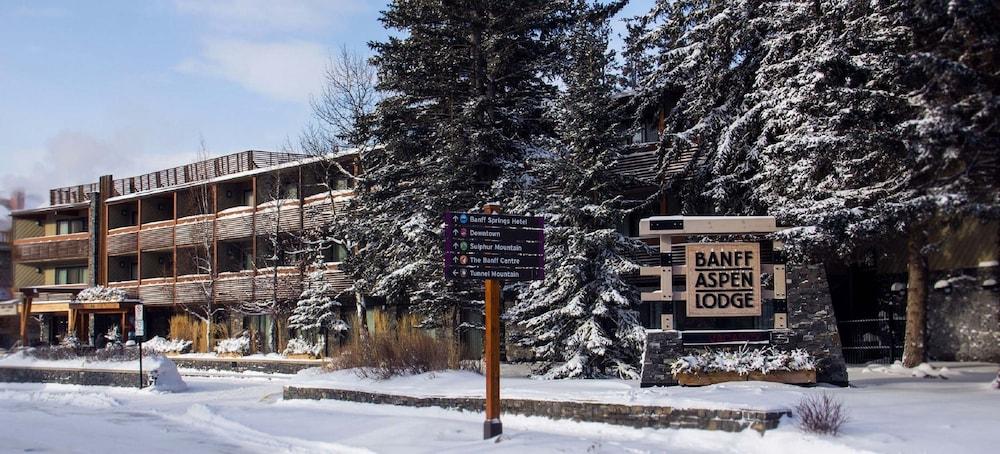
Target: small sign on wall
(723,280)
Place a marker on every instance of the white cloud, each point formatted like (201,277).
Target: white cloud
(70,158)
(267,15)
(288,70)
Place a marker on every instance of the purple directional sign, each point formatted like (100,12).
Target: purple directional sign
(505,247)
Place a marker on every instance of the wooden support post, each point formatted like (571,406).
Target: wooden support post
(492,426)
(25,314)
(71,316)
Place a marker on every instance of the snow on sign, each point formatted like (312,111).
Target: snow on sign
(723,279)
(481,246)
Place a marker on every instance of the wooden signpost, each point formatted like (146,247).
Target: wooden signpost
(492,247)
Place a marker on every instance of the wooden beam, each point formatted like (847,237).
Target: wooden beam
(492,426)
(25,313)
(706,225)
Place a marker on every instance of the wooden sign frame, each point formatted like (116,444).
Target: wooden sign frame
(725,270)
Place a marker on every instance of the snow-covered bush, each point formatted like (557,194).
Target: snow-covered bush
(299,346)
(113,337)
(70,341)
(160,345)
(822,414)
(100,293)
(744,361)
(234,345)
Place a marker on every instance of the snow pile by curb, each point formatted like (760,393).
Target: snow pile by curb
(923,370)
(162,368)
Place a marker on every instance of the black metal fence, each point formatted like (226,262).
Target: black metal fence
(878,336)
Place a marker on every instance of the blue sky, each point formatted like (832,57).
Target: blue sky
(128,87)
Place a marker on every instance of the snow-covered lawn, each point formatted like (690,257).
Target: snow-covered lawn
(245,413)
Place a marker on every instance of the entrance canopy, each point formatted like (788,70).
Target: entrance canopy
(74,309)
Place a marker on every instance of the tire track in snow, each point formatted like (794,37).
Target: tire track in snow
(202,417)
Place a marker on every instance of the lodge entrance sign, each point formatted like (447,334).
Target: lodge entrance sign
(724,280)
(722,284)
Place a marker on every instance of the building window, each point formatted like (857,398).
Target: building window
(68,226)
(71,275)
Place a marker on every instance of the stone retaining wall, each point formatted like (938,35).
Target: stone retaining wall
(639,416)
(241,365)
(963,317)
(89,377)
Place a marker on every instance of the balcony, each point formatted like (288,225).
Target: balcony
(53,248)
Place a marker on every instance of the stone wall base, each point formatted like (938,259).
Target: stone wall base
(243,365)
(639,416)
(92,377)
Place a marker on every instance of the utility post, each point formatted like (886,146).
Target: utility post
(492,426)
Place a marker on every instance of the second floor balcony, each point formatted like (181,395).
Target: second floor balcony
(53,248)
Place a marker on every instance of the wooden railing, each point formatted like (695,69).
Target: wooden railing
(50,248)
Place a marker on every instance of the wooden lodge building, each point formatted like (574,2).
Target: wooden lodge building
(148,235)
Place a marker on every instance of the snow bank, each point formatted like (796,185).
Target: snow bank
(923,370)
(167,377)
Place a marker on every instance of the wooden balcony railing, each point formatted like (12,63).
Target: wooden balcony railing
(52,248)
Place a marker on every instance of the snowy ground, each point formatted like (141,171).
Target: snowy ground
(245,413)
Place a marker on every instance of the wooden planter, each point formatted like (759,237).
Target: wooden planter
(690,379)
(229,355)
(791,377)
(798,377)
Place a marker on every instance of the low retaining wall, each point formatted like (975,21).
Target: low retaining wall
(241,364)
(89,377)
(639,416)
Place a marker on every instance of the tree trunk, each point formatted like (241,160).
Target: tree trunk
(914,351)
(362,311)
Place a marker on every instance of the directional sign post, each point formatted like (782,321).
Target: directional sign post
(493,247)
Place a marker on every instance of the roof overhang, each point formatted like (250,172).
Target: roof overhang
(54,209)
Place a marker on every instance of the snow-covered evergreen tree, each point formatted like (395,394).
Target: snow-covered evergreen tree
(579,321)
(465,84)
(858,121)
(316,308)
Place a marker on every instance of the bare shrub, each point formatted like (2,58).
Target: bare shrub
(821,414)
(396,349)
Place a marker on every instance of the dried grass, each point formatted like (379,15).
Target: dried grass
(396,348)
(821,414)
(187,327)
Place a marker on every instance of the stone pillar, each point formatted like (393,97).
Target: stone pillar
(811,322)
(94,227)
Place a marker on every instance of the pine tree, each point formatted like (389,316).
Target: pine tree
(465,84)
(579,321)
(696,59)
(316,309)
(861,122)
